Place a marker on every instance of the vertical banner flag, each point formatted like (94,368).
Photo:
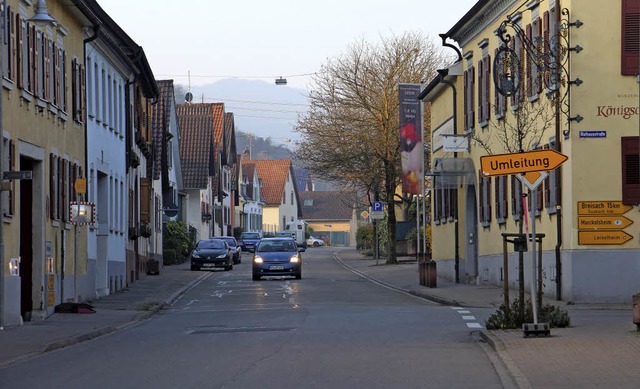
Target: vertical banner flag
(411,146)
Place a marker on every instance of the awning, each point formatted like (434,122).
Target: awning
(452,172)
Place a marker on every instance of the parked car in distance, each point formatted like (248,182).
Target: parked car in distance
(235,247)
(248,240)
(314,242)
(277,257)
(283,234)
(211,253)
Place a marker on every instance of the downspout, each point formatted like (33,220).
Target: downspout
(90,39)
(558,207)
(455,154)
(456,233)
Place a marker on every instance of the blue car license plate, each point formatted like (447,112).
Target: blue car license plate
(276,267)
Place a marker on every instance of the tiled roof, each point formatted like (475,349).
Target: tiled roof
(325,205)
(218,131)
(196,122)
(160,122)
(273,173)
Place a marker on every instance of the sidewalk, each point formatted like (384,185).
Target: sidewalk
(140,301)
(600,349)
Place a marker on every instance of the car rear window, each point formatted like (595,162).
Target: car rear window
(230,241)
(250,235)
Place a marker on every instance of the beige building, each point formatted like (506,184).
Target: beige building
(542,76)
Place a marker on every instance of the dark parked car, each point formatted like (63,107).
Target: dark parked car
(211,253)
(235,247)
(248,240)
(277,257)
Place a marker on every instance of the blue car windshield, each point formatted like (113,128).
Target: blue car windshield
(211,244)
(250,235)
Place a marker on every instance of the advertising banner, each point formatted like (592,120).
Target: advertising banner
(411,144)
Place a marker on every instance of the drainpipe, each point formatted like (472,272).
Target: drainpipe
(456,233)
(558,207)
(455,154)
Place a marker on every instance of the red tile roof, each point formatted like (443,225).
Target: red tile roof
(273,173)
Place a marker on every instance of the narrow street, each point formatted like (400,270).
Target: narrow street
(332,329)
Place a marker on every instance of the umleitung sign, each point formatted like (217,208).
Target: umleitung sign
(514,163)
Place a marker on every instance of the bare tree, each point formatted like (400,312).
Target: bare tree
(350,133)
(521,133)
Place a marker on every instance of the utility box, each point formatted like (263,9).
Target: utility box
(520,244)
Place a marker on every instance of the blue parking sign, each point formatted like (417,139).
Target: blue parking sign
(377,206)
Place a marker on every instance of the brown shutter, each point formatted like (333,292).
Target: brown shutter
(472,77)
(33,51)
(52,187)
(630,63)
(74,89)
(145,200)
(56,75)
(631,169)
(529,63)
(82,93)
(481,195)
(11,44)
(480,91)
(63,90)
(466,100)
(47,68)
(487,87)
(61,197)
(20,52)
(496,200)
(12,191)
(505,196)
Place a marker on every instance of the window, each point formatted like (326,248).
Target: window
(501,199)
(630,61)
(516,198)
(291,197)
(631,169)
(551,185)
(469,113)
(484,86)
(500,101)
(77,91)
(484,191)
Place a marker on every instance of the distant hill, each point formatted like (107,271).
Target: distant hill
(263,109)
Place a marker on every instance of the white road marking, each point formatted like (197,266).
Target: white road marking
(474,325)
(464,311)
(468,317)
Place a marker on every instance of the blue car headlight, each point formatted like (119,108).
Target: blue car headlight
(257,259)
(294,259)
(221,256)
(194,255)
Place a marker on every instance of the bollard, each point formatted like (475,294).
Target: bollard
(636,310)
(432,274)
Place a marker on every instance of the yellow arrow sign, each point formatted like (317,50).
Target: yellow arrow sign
(595,208)
(530,161)
(615,237)
(603,222)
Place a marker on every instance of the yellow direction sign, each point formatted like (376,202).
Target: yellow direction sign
(80,185)
(530,161)
(616,222)
(598,208)
(614,237)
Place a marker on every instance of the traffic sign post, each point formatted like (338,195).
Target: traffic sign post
(601,223)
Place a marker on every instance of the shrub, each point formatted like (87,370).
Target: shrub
(364,238)
(516,315)
(177,243)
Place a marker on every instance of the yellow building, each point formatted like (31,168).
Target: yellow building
(547,78)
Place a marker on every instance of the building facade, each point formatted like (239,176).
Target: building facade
(540,76)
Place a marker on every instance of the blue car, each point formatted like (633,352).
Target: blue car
(248,240)
(277,257)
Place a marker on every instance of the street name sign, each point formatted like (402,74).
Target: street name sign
(17,175)
(530,161)
(614,237)
(601,208)
(615,222)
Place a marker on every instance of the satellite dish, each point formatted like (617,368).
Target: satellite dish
(188,97)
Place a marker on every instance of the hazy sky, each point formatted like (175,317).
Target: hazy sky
(267,38)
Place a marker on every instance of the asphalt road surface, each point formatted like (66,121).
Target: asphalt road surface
(331,329)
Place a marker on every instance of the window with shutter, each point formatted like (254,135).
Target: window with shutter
(630,61)
(145,200)
(481,84)
(631,169)
(53,187)
(20,50)
(529,64)
(11,207)
(487,87)
(516,196)
(466,100)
